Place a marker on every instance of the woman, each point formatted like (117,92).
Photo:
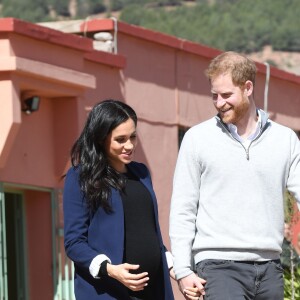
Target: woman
(110,213)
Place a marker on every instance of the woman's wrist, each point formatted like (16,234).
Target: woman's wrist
(103,269)
(109,270)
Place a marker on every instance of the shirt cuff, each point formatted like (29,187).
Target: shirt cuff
(169,258)
(96,263)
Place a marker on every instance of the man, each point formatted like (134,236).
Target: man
(227,212)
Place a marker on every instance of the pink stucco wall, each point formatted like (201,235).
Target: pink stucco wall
(160,76)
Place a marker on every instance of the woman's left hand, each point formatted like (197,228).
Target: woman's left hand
(135,282)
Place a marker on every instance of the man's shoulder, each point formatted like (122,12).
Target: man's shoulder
(205,125)
(205,130)
(280,128)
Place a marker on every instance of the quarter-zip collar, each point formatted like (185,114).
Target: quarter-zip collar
(263,119)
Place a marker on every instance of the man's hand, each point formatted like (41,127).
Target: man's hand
(186,285)
(135,282)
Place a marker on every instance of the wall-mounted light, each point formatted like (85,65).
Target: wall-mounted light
(31,104)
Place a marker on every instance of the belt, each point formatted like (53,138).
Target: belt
(250,262)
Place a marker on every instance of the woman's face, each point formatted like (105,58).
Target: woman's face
(120,145)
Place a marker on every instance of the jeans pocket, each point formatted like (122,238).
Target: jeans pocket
(210,264)
(277,265)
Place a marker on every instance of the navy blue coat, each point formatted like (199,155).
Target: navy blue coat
(87,236)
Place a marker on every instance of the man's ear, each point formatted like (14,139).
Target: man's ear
(249,87)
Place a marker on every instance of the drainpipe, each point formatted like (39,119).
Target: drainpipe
(115,34)
(86,25)
(266,86)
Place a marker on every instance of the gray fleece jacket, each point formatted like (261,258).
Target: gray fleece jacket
(227,201)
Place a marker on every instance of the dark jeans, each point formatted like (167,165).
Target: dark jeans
(232,280)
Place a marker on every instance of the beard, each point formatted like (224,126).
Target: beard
(236,113)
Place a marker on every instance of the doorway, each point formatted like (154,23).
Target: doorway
(16,256)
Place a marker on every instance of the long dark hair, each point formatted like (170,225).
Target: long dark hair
(96,176)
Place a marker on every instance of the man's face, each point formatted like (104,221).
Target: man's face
(231,101)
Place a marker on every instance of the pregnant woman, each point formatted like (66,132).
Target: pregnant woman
(111,224)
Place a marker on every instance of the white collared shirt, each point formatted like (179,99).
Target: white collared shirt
(246,142)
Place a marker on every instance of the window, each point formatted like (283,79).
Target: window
(181,132)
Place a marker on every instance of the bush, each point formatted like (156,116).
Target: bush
(288,283)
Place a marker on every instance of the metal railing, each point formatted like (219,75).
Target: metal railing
(65,279)
(63,267)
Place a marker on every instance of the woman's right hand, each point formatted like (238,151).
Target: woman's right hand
(135,282)
(192,287)
(192,293)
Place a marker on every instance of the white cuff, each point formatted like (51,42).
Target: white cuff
(96,263)
(170,260)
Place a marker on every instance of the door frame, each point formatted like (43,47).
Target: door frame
(20,189)
(3,252)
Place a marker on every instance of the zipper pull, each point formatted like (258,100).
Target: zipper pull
(247,153)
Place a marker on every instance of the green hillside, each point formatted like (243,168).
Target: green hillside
(240,25)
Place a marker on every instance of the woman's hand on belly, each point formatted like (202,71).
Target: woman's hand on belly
(135,282)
